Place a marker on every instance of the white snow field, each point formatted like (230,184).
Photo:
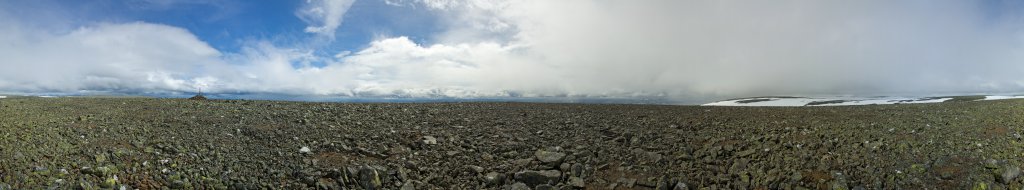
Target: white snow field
(839,101)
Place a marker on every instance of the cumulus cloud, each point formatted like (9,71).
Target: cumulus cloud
(128,57)
(392,67)
(324,16)
(681,50)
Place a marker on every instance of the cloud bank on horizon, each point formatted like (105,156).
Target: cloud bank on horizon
(679,50)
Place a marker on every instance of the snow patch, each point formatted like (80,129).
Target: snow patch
(765,102)
(1002,97)
(861,102)
(3,96)
(824,101)
(931,101)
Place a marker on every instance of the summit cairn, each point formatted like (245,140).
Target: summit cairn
(198,96)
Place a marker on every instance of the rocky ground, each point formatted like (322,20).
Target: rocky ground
(144,143)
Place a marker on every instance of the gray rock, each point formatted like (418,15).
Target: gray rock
(475,169)
(429,140)
(653,156)
(578,170)
(664,183)
(83,184)
(680,186)
(797,176)
(612,186)
(522,162)
(100,158)
(836,185)
(648,182)
(307,176)
(548,157)
(408,186)
(401,174)
(577,182)
(991,164)
(245,186)
(369,178)
(177,184)
(494,178)
(518,186)
(627,182)
(108,183)
(534,178)
(351,171)
(327,183)
(838,181)
(1009,173)
(105,170)
(545,187)
(746,153)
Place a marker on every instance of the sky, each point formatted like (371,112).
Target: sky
(681,51)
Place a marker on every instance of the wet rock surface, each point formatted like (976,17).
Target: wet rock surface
(143,143)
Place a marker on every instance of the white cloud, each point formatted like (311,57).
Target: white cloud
(686,50)
(324,16)
(388,67)
(128,57)
(696,49)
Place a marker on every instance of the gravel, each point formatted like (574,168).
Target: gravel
(148,143)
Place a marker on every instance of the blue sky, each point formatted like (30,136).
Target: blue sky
(227,24)
(688,51)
